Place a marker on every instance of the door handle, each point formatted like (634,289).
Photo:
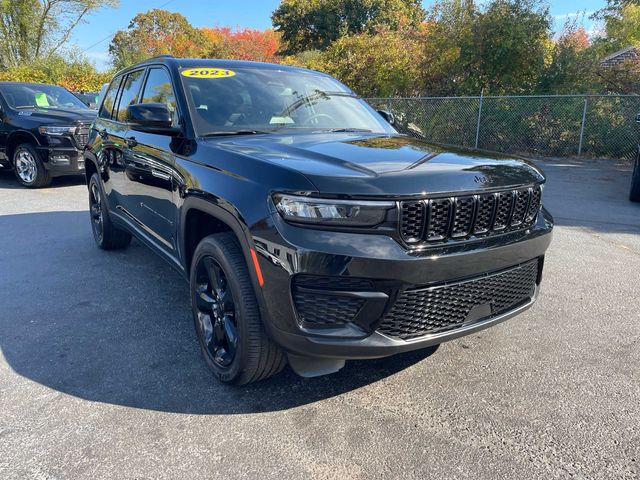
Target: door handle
(161,175)
(131,142)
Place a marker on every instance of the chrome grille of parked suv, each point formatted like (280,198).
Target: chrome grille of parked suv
(461,217)
(81,136)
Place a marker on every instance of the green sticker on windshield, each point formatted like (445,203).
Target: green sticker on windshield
(41,100)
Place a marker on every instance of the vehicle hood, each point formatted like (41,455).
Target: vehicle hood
(56,116)
(372,164)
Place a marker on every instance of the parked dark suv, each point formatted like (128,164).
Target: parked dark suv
(43,129)
(309,229)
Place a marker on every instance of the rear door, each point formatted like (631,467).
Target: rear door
(107,145)
(116,135)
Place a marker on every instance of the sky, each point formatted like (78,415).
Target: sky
(93,36)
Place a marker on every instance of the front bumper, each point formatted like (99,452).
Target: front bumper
(286,251)
(63,161)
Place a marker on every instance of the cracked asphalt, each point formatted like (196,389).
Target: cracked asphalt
(100,374)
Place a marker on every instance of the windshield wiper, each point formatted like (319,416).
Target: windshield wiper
(234,132)
(345,130)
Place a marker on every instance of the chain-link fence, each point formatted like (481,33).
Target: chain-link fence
(560,125)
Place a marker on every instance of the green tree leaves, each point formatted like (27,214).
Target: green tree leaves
(314,24)
(33,29)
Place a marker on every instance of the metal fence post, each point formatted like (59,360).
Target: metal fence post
(479,118)
(584,118)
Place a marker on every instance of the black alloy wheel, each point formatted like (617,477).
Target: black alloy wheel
(95,210)
(216,312)
(231,335)
(105,233)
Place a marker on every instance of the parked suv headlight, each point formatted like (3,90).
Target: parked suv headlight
(319,211)
(57,130)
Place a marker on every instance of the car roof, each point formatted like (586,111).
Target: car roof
(29,84)
(180,63)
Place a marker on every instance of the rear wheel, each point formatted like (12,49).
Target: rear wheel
(634,193)
(28,167)
(106,235)
(230,333)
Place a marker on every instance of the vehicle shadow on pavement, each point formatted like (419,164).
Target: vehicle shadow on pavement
(115,327)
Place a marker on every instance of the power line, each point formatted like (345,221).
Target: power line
(115,31)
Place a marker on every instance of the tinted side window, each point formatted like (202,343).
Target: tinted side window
(129,95)
(106,109)
(158,89)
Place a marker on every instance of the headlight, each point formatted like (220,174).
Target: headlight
(318,211)
(57,130)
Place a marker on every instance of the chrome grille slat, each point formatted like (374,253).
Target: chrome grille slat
(81,136)
(459,218)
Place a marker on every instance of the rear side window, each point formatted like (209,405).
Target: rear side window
(106,109)
(129,94)
(158,89)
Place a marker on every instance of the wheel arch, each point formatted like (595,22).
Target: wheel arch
(200,217)
(18,137)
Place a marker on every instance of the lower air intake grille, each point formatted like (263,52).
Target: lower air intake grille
(435,309)
(317,309)
(318,300)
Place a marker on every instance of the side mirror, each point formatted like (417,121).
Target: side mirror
(151,118)
(638,118)
(388,116)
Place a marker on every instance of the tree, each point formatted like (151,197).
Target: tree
(243,44)
(32,29)
(448,27)
(508,47)
(157,32)
(622,26)
(573,63)
(314,24)
(383,64)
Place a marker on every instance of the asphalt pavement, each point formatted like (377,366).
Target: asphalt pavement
(101,377)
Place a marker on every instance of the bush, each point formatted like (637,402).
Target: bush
(75,74)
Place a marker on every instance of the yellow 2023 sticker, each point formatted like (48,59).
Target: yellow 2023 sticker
(205,72)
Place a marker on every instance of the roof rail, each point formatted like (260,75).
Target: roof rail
(166,55)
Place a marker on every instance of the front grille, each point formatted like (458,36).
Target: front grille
(459,218)
(436,309)
(317,307)
(81,136)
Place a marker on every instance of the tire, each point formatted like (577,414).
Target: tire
(230,333)
(105,233)
(28,167)
(634,193)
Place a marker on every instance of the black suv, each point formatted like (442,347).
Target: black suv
(43,129)
(634,192)
(308,228)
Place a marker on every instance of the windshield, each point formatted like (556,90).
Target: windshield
(266,100)
(41,96)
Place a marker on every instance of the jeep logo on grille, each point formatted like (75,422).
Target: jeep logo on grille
(481,179)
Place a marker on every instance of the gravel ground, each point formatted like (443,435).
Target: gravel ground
(100,374)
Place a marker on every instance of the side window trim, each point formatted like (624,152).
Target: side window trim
(121,91)
(117,82)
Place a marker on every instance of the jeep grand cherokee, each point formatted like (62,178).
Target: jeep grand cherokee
(308,228)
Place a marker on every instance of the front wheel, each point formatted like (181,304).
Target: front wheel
(634,193)
(230,333)
(28,167)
